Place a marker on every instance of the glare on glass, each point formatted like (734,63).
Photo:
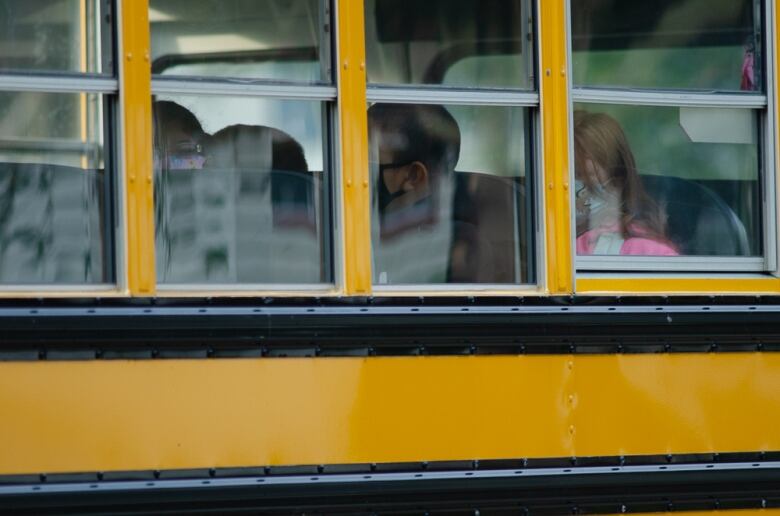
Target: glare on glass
(449,194)
(284,40)
(711,45)
(53,195)
(667,181)
(56,35)
(240,191)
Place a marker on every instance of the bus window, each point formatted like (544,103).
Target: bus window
(700,196)
(667,135)
(52,189)
(435,222)
(240,192)
(56,184)
(668,44)
(410,42)
(283,40)
(452,197)
(56,36)
(242,181)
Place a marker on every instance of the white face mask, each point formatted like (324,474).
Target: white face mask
(599,201)
(595,205)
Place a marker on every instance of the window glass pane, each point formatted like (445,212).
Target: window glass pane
(241,191)
(56,35)
(450,201)
(658,181)
(55,220)
(498,71)
(411,42)
(285,40)
(668,44)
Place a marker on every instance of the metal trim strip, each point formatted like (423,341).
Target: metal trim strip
(561,490)
(671,99)
(243,88)
(384,328)
(63,84)
(451,96)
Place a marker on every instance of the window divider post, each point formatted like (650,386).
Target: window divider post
(135,93)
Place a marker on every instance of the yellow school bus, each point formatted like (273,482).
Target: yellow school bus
(389,256)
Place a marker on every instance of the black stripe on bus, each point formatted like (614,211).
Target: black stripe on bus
(568,486)
(367,327)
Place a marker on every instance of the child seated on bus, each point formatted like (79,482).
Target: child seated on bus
(615,216)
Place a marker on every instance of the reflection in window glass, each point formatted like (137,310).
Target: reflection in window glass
(55,35)
(665,181)
(668,44)
(497,71)
(439,215)
(241,193)
(54,226)
(411,42)
(282,40)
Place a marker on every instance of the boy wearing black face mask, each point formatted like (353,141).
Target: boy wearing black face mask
(415,150)
(417,147)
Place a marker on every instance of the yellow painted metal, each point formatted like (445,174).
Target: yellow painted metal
(136,99)
(354,146)
(677,285)
(164,414)
(555,134)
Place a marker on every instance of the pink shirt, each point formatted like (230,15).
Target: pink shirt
(635,245)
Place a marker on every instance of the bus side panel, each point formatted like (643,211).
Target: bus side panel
(210,413)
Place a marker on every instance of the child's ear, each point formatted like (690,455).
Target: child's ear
(416,177)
